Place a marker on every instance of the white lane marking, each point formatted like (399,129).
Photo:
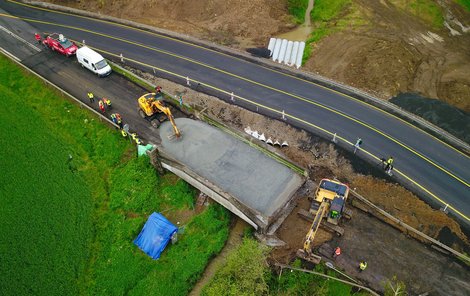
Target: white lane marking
(19,38)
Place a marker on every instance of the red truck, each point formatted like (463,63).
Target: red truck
(57,42)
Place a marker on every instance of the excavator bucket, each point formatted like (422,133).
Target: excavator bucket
(312,258)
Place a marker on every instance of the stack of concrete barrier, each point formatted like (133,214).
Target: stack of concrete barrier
(287,52)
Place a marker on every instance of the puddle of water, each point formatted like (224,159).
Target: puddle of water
(302,32)
(299,34)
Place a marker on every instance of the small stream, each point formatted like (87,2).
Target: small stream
(302,32)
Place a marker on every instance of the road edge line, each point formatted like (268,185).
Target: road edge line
(385,106)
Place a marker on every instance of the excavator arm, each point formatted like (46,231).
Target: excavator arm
(151,106)
(167,112)
(306,253)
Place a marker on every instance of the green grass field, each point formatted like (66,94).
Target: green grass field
(246,272)
(322,15)
(67,225)
(464,3)
(427,11)
(297,9)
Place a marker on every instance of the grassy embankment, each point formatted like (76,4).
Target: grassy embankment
(247,273)
(67,225)
(330,16)
(427,11)
(464,3)
(297,9)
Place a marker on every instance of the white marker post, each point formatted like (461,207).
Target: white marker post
(334,138)
(122,58)
(283,115)
(83,41)
(188,83)
(445,209)
(232,97)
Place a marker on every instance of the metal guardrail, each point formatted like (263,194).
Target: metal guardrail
(361,95)
(81,104)
(220,125)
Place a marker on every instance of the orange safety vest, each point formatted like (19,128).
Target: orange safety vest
(338,251)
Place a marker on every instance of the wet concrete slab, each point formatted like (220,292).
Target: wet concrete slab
(254,179)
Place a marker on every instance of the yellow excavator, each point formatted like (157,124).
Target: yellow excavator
(329,201)
(152,107)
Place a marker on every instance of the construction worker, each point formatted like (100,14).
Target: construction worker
(389,170)
(114,118)
(334,214)
(357,145)
(136,139)
(107,103)
(158,89)
(91,97)
(119,120)
(37,37)
(101,105)
(123,133)
(388,163)
(337,252)
(362,266)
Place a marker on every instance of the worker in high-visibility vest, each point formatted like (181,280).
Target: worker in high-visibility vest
(119,120)
(91,97)
(136,139)
(107,103)
(101,105)
(123,133)
(362,266)
(114,118)
(337,252)
(388,163)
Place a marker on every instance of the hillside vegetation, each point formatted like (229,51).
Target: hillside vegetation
(74,197)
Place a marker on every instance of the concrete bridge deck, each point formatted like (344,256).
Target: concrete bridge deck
(248,178)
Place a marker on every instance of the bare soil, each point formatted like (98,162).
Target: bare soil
(323,160)
(395,52)
(408,261)
(377,46)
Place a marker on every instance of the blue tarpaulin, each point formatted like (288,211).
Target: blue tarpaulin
(155,235)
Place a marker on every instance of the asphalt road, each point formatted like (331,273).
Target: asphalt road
(424,164)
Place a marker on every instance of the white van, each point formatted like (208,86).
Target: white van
(93,61)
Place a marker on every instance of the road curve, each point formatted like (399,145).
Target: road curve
(423,163)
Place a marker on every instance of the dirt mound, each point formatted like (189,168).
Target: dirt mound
(395,51)
(447,117)
(229,22)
